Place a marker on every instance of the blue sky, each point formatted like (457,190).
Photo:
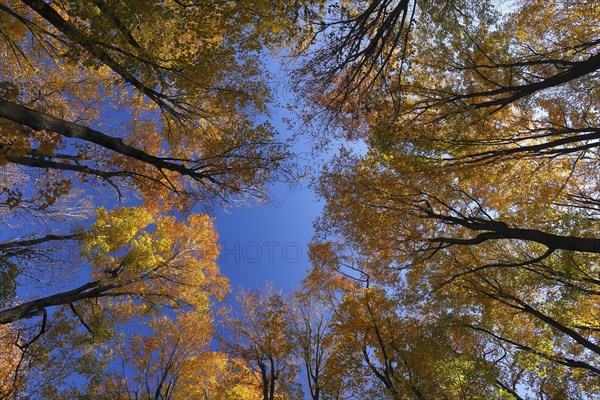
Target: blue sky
(268,242)
(263,243)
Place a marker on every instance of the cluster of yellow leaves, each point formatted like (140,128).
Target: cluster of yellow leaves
(157,254)
(10,356)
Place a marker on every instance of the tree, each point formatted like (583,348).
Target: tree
(314,343)
(384,348)
(166,362)
(357,45)
(141,264)
(174,264)
(491,285)
(477,195)
(224,378)
(260,336)
(205,78)
(162,101)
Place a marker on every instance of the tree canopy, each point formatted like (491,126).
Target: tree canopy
(457,252)
(476,201)
(162,106)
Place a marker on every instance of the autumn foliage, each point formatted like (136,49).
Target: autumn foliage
(457,252)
